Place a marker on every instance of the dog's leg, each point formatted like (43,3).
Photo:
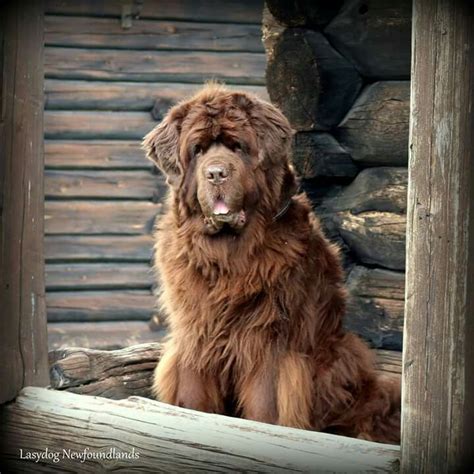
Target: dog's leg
(185,387)
(199,392)
(295,391)
(166,376)
(257,395)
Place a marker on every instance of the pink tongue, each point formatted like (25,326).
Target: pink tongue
(220,207)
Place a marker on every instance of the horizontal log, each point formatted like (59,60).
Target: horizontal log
(375,35)
(100,217)
(376,238)
(130,96)
(120,305)
(102,248)
(86,32)
(376,305)
(374,189)
(107,373)
(175,439)
(98,276)
(244,11)
(112,374)
(375,130)
(318,154)
(106,335)
(309,80)
(312,13)
(378,320)
(95,184)
(376,283)
(95,154)
(60,124)
(168,66)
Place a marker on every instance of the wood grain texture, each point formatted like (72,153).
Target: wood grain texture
(376,306)
(168,66)
(129,96)
(98,276)
(125,372)
(377,238)
(175,439)
(100,217)
(309,80)
(95,154)
(105,335)
(375,35)
(311,13)
(438,359)
(112,374)
(100,248)
(244,11)
(86,32)
(23,340)
(61,124)
(375,130)
(120,305)
(95,184)
(374,189)
(317,154)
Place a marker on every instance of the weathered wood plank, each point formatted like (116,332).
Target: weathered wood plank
(105,248)
(122,373)
(375,130)
(120,305)
(97,125)
(318,154)
(244,11)
(175,439)
(130,96)
(309,80)
(376,282)
(23,342)
(104,184)
(376,306)
(170,66)
(114,374)
(389,362)
(374,189)
(375,35)
(86,32)
(438,359)
(377,238)
(100,217)
(312,13)
(105,335)
(95,154)
(98,276)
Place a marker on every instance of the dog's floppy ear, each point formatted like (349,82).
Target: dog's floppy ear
(273,130)
(162,144)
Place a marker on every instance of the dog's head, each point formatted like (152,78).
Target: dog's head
(226,154)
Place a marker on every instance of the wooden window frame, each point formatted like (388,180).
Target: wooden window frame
(438,353)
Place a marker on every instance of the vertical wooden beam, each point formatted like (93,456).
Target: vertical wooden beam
(23,336)
(438,359)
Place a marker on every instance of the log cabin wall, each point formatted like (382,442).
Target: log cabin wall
(112,69)
(340,72)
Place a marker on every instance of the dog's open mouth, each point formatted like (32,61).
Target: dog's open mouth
(223,219)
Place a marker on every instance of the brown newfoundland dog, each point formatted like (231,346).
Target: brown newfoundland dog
(252,289)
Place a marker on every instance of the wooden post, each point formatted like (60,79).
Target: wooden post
(438,359)
(23,339)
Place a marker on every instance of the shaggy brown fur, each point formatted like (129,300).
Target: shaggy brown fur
(253,290)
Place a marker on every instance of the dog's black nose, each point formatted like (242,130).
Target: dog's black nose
(216,174)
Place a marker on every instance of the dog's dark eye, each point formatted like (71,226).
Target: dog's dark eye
(196,150)
(236,146)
